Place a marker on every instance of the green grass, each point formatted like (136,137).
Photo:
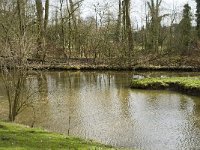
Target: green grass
(17,137)
(190,85)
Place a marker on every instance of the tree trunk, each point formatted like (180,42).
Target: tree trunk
(40,24)
(46,18)
(119,21)
(21,15)
(128,29)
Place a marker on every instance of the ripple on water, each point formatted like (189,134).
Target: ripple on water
(102,107)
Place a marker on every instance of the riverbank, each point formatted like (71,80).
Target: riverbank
(188,85)
(14,136)
(59,67)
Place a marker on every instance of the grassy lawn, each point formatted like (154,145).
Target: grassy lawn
(189,85)
(17,137)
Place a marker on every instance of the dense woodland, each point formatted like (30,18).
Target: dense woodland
(33,33)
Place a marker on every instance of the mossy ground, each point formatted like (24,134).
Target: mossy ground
(13,136)
(189,85)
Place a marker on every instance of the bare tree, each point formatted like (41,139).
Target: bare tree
(17,45)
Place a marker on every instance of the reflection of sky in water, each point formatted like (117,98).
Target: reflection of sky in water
(102,107)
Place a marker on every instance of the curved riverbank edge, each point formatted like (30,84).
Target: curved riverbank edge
(63,67)
(14,136)
(187,85)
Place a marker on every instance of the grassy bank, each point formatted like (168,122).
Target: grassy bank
(188,85)
(13,136)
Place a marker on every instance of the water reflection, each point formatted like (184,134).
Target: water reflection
(101,106)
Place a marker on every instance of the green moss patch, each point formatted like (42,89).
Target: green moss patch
(13,136)
(189,85)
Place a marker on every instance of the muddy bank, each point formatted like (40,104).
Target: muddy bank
(114,68)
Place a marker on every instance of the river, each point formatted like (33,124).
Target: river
(101,106)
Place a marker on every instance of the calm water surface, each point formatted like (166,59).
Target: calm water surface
(101,106)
